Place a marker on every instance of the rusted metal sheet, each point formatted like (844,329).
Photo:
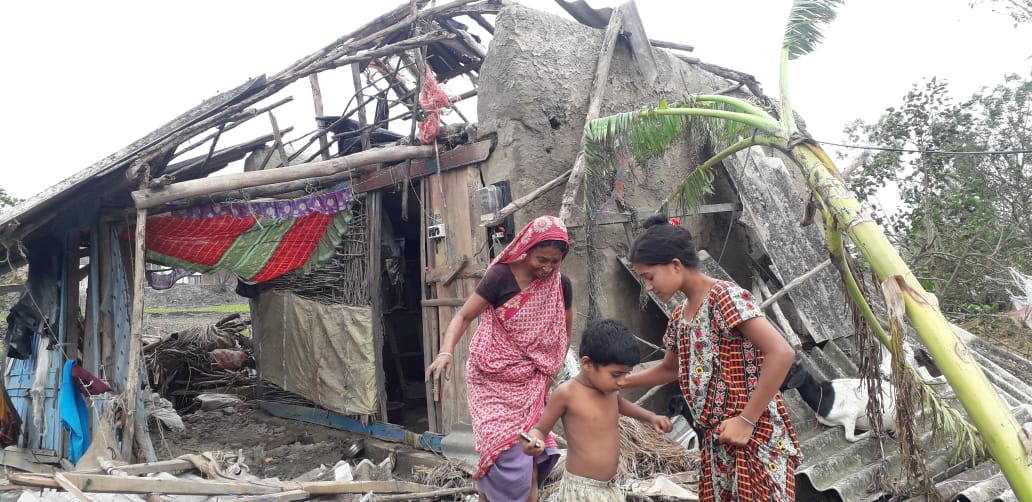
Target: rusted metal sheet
(458,157)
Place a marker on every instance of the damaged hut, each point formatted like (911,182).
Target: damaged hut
(357,240)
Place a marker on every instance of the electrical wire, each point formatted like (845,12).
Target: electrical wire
(932,152)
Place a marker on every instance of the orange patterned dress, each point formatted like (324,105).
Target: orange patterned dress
(718,369)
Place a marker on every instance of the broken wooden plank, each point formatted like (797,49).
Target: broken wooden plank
(794,283)
(287,496)
(443,302)
(459,156)
(28,462)
(387,432)
(641,50)
(443,492)
(455,270)
(174,465)
(103,483)
(340,487)
(147,198)
(70,488)
(598,88)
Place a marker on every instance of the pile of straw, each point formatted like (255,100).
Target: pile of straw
(445,474)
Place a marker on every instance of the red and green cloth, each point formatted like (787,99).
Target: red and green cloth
(257,241)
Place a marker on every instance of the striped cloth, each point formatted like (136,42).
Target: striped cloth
(258,241)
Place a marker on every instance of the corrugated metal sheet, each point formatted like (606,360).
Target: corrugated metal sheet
(834,469)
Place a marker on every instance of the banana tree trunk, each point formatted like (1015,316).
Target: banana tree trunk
(987,410)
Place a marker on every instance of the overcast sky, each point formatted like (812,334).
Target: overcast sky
(84,79)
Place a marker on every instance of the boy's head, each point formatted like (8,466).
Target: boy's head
(608,341)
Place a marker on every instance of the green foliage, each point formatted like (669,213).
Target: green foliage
(805,22)
(6,200)
(648,133)
(963,218)
(243,307)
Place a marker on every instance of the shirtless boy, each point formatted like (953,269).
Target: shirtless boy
(590,407)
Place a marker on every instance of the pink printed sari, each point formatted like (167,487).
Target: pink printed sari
(515,351)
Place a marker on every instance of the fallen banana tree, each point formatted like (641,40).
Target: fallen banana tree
(740,125)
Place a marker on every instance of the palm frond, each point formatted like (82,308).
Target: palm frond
(805,22)
(692,191)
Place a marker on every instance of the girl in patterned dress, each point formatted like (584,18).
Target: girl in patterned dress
(729,361)
(524,305)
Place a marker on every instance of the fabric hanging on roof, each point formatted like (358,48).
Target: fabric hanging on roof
(258,241)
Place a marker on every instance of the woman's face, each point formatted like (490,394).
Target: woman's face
(660,280)
(543,261)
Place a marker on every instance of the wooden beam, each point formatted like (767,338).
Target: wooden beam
(723,207)
(11,288)
(598,89)
(483,23)
(136,331)
(175,465)
(103,483)
(457,157)
(443,302)
(147,198)
(794,283)
(671,45)
(374,213)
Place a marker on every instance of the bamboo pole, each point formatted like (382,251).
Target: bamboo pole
(136,329)
(147,198)
(598,89)
(794,283)
(317,101)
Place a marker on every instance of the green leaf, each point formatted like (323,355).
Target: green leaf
(805,22)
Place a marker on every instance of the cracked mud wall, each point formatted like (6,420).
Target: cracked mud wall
(534,90)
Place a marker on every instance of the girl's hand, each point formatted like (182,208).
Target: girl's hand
(735,431)
(661,423)
(441,365)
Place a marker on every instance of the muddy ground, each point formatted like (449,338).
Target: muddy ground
(272,446)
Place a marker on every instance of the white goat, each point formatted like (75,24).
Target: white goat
(842,401)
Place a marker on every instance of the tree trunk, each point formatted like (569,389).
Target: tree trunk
(987,410)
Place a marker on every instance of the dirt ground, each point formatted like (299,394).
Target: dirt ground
(272,446)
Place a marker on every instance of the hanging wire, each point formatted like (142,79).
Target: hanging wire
(930,152)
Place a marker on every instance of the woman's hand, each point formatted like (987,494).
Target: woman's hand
(441,365)
(534,447)
(661,423)
(736,431)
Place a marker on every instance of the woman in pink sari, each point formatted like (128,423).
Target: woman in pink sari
(519,346)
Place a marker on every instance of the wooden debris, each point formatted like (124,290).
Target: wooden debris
(103,483)
(146,198)
(430,495)
(521,202)
(598,89)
